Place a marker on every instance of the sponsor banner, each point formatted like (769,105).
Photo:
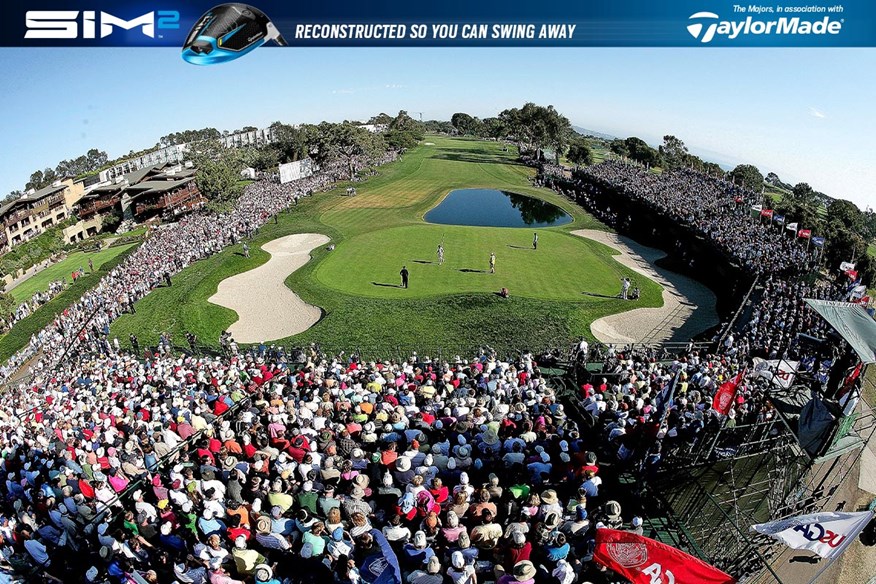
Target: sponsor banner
(804,233)
(826,534)
(642,560)
(780,371)
(683,23)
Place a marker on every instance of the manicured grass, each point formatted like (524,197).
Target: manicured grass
(63,269)
(561,269)
(20,334)
(379,230)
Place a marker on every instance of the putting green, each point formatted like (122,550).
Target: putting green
(563,268)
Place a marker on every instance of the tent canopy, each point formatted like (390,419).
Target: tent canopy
(853,323)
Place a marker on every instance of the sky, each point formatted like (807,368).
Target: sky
(805,114)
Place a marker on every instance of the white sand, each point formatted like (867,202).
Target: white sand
(267,310)
(685,301)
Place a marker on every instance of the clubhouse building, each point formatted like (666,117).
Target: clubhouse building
(36,211)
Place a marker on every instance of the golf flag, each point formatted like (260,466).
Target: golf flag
(780,219)
(767,213)
(826,534)
(791,227)
(642,560)
(818,241)
(725,395)
(846,266)
(804,233)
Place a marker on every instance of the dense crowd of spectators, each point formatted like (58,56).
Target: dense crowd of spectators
(26,308)
(259,467)
(714,208)
(720,211)
(168,249)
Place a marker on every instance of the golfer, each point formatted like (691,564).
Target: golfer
(535,240)
(440,254)
(492,262)
(625,287)
(404,276)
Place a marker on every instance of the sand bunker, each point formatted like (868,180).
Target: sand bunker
(266,308)
(688,306)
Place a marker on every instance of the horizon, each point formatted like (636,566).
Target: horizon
(807,120)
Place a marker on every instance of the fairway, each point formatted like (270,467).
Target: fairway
(556,291)
(63,269)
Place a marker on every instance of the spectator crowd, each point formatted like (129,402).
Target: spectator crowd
(258,467)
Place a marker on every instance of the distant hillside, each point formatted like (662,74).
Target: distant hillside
(586,132)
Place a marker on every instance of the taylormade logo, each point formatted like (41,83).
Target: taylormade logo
(708,24)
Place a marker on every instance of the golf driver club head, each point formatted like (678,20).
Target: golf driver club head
(229,31)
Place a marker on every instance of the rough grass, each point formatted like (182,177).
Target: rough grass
(379,230)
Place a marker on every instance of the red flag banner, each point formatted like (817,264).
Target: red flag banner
(645,561)
(804,233)
(723,400)
(766,213)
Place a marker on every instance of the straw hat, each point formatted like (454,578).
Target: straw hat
(523,571)
(549,497)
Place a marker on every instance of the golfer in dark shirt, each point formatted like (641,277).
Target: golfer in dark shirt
(404,276)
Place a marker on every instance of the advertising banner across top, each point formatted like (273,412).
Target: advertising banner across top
(240,27)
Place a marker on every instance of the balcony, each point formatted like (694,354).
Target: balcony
(97,206)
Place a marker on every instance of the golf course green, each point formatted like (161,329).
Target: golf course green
(556,291)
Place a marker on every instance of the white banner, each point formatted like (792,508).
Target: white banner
(780,371)
(857,292)
(846,266)
(826,534)
(791,227)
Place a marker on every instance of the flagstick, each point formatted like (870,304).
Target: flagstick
(839,553)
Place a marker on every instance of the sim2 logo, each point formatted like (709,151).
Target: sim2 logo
(707,25)
(73,24)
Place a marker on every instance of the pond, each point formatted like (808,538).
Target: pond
(492,208)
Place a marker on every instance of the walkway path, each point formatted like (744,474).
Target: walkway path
(688,306)
(266,308)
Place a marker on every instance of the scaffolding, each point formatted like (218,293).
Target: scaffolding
(708,494)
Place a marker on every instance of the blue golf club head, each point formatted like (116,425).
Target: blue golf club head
(227,32)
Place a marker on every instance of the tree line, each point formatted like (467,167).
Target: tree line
(326,143)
